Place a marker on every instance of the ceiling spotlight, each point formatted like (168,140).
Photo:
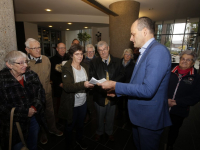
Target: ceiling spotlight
(67,29)
(50,26)
(69,23)
(85,27)
(48,9)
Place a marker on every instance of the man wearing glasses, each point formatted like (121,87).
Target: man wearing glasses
(42,66)
(56,78)
(110,68)
(90,54)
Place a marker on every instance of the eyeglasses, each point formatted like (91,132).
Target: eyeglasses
(188,60)
(61,47)
(79,54)
(103,50)
(90,52)
(128,54)
(35,48)
(22,62)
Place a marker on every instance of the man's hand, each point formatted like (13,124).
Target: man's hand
(171,102)
(107,85)
(111,93)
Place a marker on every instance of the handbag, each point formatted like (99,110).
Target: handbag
(19,131)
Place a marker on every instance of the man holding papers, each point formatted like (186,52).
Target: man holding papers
(108,67)
(147,90)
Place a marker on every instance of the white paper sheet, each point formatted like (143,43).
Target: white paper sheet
(95,81)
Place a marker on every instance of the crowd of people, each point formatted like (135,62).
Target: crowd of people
(142,82)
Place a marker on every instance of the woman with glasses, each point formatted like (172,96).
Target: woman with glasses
(73,105)
(128,65)
(20,88)
(183,92)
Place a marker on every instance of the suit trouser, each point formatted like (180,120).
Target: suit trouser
(107,113)
(49,114)
(174,129)
(146,139)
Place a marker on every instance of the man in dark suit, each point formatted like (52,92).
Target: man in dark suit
(147,90)
(108,67)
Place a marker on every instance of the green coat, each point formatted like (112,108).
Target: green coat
(69,90)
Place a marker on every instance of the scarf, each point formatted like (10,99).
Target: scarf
(183,72)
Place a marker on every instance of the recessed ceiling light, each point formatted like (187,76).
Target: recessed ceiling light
(48,9)
(69,23)
(67,29)
(50,26)
(86,27)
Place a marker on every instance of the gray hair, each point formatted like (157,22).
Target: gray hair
(189,52)
(129,50)
(12,56)
(145,22)
(101,43)
(27,43)
(89,46)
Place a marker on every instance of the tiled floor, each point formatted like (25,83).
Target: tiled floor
(189,137)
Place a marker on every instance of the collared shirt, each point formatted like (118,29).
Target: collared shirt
(36,58)
(143,48)
(106,59)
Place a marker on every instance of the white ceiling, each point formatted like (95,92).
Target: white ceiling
(162,10)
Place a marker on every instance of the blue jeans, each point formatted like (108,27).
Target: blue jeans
(78,121)
(31,141)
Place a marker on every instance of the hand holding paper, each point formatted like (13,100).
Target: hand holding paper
(108,85)
(95,81)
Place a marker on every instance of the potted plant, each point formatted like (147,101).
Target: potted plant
(84,37)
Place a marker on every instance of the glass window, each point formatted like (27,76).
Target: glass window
(166,40)
(191,27)
(158,27)
(48,40)
(39,35)
(177,42)
(167,28)
(189,41)
(179,28)
(45,35)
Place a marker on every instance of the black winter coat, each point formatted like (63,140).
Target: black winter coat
(70,88)
(56,77)
(98,70)
(128,69)
(13,94)
(187,94)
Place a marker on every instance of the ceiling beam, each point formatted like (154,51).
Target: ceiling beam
(100,7)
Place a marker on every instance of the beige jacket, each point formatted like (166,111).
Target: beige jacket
(43,70)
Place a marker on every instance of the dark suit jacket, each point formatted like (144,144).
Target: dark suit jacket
(98,70)
(148,103)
